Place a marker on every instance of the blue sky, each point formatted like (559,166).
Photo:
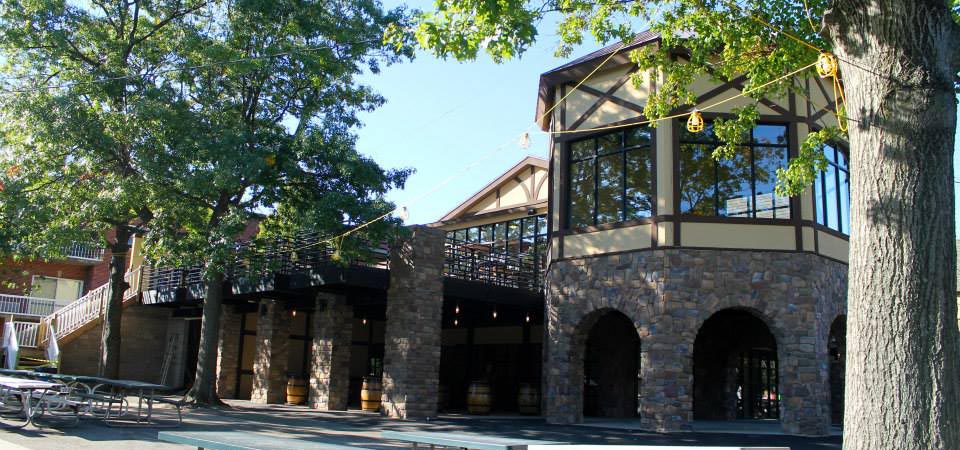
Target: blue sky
(441,116)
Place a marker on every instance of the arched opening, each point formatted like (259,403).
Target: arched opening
(611,365)
(837,348)
(735,369)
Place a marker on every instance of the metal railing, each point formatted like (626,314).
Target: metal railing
(490,265)
(81,311)
(87,252)
(26,306)
(27,333)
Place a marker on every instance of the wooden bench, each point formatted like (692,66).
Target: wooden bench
(243,440)
(462,440)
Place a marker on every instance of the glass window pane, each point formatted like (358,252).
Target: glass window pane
(610,188)
(460,235)
(637,136)
(513,232)
(697,180)
(844,201)
(770,134)
(581,149)
(639,189)
(733,185)
(766,162)
(581,194)
(609,143)
(473,234)
(542,225)
(830,153)
(818,198)
(833,218)
(841,159)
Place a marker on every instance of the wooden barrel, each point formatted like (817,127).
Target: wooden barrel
(528,399)
(478,398)
(370,394)
(296,391)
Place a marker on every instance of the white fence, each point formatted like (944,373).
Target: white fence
(27,333)
(26,306)
(81,311)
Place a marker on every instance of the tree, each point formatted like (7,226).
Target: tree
(899,61)
(269,134)
(80,111)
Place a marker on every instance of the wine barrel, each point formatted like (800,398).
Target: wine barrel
(370,394)
(528,399)
(478,398)
(296,391)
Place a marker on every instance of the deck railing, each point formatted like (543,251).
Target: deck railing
(81,311)
(86,252)
(491,265)
(26,306)
(27,333)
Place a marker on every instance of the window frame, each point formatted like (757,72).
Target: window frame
(840,148)
(623,150)
(788,146)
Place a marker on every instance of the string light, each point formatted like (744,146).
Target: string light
(494,313)
(456,322)
(364,321)
(695,122)
(525,140)
(294,313)
(528,318)
(456,310)
(827,65)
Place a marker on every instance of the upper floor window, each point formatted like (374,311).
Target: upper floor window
(56,288)
(610,178)
(524,235)
(831,190)
(742,186)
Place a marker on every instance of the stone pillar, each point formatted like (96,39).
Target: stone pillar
(228,351)
(270,355)
(411,365)
(330,352)
(666,368)
(563,363)
(804,384)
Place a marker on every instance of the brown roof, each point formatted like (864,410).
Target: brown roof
(493,185)
(580,67)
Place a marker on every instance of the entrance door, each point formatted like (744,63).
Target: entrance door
(611,365)
(758,397)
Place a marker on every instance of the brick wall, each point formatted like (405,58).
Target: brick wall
(21,274)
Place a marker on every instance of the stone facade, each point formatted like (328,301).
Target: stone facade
(330,352)
(270,356)
(228,352)
(414,310)
(668,294)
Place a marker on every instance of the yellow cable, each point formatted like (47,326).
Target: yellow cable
(676,116)
(806,9)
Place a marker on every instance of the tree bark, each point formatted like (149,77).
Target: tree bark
(903,363)
(204,390)
(110,339)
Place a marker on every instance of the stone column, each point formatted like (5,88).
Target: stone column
(563,363)
(228,352)
(666,368)
(270,357)
(804,384)
(411,363)
(330,352)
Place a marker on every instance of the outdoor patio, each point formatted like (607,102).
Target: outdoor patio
(362,429)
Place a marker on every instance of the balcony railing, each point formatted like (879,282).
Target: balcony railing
(85,252)
(27,333)
(81,311)
(26,306)
(490,265)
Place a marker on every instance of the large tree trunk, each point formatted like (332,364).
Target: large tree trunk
(204,390)
(903,363)
(110,342)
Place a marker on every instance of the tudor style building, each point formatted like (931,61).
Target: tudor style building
(678,287)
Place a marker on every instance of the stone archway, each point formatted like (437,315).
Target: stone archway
(837,350)
(736,373)
(610,366)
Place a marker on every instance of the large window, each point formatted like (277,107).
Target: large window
(610,178)
(56,288)
(525,235)
(831,191)
(742,186)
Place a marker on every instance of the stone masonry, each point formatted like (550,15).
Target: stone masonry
(668,294)
(270,357)
(228,352)
(330,352)
(414,307)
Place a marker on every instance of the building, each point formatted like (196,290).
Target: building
(726,291)
(628,276)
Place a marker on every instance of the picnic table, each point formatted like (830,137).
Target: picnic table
(244,440)
(146,394)
(47,395)
(462,440)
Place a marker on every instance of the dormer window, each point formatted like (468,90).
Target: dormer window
(742,186)
(610,178)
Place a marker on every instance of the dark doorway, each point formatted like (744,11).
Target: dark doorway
(611,366)
(837,347)
(735,369)
(193,349)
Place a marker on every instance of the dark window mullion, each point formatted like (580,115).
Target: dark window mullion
(596,181)
(838,189)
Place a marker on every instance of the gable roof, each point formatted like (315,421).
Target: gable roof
(494,185)
(580,67)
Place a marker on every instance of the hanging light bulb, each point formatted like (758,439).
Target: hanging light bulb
(528,317)
(294,313)
(695,122)
(404,213)
(364,321)
(494,313)
(456,322)
(525,140)
(456,310)
(827,65)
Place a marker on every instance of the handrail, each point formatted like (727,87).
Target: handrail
(82,251)
(26,333)
(27,306)
(83,310)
